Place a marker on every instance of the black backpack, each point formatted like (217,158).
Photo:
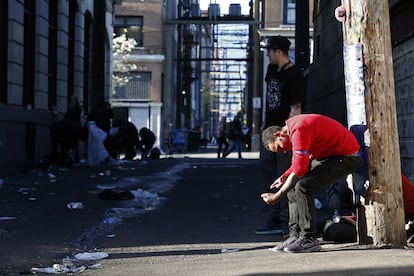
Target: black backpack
(342,231)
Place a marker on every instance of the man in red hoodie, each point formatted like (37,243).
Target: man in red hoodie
(323,151)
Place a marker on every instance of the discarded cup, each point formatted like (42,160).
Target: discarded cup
(7,218)
(75,205)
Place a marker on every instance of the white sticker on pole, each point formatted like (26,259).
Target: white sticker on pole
(354,84)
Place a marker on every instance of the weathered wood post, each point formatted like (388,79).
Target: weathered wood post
(367,41)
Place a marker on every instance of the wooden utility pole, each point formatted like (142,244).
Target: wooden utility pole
(366,35)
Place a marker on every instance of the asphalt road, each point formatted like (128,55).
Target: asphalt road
(192,215)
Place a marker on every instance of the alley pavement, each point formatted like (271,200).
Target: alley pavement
(186,214)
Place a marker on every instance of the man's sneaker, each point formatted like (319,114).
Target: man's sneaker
(303,245)
(281,246)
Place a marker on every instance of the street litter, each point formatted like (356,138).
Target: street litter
(86,256)
(75,205)
(57,269)
(24,191)
(106,173)
(146,198)
(7,218)
(111,220)
(68,265)
(62,268)
(94,266)
(229,250)
(104,187)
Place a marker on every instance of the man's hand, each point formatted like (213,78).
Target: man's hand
(271,198)
(278,183)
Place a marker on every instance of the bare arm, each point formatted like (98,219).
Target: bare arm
(289,183)
(273,198)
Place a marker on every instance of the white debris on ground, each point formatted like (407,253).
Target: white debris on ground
(145,199)
(73,265)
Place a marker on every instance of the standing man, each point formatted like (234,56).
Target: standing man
(235,135)
(323,151)
(286,93)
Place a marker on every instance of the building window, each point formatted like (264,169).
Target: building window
(52,54)
(289,12)
(71,48)
(3,51)
(29,53)
(131,26)
(138,87)
(86,61)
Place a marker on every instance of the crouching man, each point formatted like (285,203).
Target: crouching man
(322,152)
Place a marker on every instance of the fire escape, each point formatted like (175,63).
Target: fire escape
(215,75)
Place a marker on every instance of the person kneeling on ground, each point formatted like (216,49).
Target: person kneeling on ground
(323,151)
(146,142)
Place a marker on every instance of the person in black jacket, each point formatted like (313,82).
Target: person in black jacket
(285,96)
(222,137)
(147,141)
(66,133)
(235,136)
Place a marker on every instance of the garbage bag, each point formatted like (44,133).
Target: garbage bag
(97,152)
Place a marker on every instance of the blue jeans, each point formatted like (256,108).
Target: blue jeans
(321,172)
(234,145)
